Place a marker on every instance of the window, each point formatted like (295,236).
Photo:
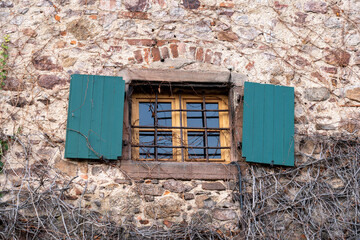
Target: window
(183,124)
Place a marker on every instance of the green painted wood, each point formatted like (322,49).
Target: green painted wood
(268,124)
(95,117)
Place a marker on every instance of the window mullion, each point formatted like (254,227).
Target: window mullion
(181,131)
(205,125)
(156,127)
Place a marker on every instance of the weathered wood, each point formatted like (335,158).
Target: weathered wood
(179,170)
(171,75)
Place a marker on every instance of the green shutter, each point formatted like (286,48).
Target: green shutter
(95,117)
(268,124)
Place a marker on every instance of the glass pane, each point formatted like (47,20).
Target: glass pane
(196,139)
(164,118)
(214,141)
(147,114)
(212,118)
(194,119)
(163,139)
(146,138)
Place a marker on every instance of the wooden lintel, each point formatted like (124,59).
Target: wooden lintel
(171,75)
(177,170)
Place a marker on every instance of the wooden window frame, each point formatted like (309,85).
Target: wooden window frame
(174,99)
(140,170)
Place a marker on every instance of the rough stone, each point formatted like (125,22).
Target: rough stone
(333,22)
(45,63)
(176,186)
(353,94)
(338,57)
(163,208)
(320,126)
(124,204)
(201,216)
(123,181)
(69,61)
(187,196)
(67,167)
(191,4)
(13,84)
(136,5)
(248,33)
(224,214)
(204,201)
(315,7)
(29,32)
(149,198)
(87,2)
(49,81)
(6,4)
(17,101)
(300,17)
(213,186)
(150,189)
(229,36)
(317,94)
(79,29)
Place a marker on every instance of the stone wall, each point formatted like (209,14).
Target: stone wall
(310,45)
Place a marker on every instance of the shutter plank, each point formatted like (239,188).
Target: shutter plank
(289,108)
(248,119)
(73,123)
(258,132)
(278,125)
(269,125)
(85,115)
(95,137)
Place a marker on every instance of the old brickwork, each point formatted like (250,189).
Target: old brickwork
(311,45)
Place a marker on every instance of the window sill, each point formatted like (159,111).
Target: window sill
(178,170)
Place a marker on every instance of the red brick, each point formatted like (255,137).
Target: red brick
(147,55)
(141,42)
(134,15)
(200,54)
(174,50)
(227,4)
(182,48)
(279,6)
(208,56)
(155,54)
(138,56)
(193,51)
(162,3)
(217,58)
(160,43)
(164,52)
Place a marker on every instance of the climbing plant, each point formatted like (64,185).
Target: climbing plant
(3,60)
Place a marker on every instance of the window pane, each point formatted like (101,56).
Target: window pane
(196,139)
(214,141)
(163,139)
(147,114)
(146,138)
(194,119)
(212,118)
(164,118)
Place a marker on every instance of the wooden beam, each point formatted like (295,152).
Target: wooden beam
(171,75)
(178,170)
